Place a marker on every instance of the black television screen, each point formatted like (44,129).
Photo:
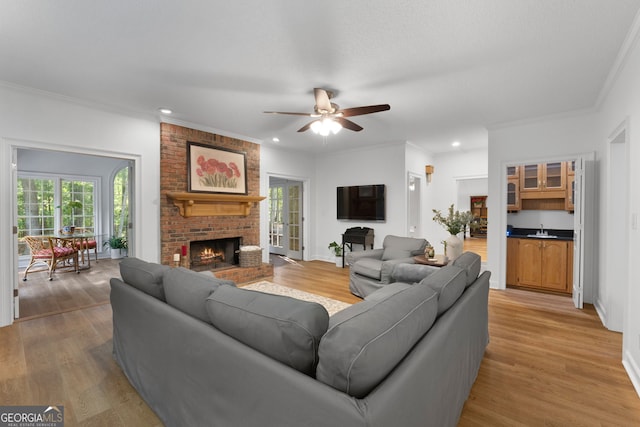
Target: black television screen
(362,202)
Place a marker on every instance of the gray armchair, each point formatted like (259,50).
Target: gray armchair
(371,270)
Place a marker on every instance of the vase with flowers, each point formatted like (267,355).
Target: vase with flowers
(454,222)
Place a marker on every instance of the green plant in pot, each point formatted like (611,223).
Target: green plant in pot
(454,222)
(337,251)
(117,244)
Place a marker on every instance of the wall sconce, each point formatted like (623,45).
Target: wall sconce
(428,170)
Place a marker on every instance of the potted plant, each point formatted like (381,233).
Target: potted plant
(116,244)
(454,222)
(337,251)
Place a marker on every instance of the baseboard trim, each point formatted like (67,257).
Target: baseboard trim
(602,312)
(632,369)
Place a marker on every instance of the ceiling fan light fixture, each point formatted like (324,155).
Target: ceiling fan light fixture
(325,126)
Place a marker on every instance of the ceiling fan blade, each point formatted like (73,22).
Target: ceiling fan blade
(322,100)
(305,127)
(293,114)
(348,124)
(359,111)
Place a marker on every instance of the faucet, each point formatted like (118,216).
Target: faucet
(541,232)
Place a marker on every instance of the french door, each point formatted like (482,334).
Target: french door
(285,217)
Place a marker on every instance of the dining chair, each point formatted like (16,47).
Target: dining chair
(87,243)
(51,251)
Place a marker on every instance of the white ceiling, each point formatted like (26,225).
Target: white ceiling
(448,68)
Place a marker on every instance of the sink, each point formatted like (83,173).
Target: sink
(542,236)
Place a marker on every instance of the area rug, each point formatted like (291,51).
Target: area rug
(332,306)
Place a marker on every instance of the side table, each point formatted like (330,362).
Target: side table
(437,261)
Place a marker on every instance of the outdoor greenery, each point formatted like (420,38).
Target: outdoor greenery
(455,221)
(121,202)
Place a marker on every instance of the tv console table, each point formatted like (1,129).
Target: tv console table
(358,235)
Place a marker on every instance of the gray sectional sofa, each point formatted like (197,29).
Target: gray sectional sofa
(201,351)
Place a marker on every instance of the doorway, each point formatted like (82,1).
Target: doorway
(103,187)
(286,217)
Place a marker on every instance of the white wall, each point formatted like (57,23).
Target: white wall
(383,164)
(557,220)
(295,166)
(623,103)
(35,120)
(450,168)
(545,140)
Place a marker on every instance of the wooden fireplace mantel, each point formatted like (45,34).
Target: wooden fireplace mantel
(207,204)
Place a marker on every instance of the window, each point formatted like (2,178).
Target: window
(47,203)
(121,202)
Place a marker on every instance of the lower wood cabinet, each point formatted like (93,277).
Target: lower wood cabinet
(540,264)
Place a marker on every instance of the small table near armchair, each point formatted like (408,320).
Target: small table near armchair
(436,261)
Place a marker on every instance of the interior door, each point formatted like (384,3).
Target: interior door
(285,218)
(578,234)
(414,211)
(14,234)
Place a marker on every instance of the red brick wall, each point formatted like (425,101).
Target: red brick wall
(176,230)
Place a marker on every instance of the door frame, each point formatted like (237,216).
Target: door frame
(304,241)
(587,245)
(8,214)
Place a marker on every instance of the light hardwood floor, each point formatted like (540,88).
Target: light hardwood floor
(547,364)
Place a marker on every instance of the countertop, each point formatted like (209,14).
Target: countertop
(523,233)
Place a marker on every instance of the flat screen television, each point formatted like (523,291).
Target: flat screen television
(361,202)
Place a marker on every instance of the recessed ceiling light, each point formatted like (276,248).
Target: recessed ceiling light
(275,139)
(455,144)
(165,110)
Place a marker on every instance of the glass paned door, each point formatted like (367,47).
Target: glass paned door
(276,225)
(285,218)
(295,220)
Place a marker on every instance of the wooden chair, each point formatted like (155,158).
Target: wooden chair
(51,251)
(86,244)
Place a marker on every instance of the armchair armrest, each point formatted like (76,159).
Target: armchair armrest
(412,273)
(388,266)
(352,257)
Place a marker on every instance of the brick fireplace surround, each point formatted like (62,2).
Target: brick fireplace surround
(176,230)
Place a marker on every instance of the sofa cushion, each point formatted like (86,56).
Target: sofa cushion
(187,291)
(396,247)
(449,283)
(386,291)
(367,340)
(368,267)
(470,262)
(145,276)
(284,328)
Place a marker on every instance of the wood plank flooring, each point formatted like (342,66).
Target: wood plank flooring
(548,364)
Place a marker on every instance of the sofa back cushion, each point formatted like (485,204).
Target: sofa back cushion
(449,282)
(284,328)
(470,262)
(396,247)
(187,291)
(367,340)
(145,276)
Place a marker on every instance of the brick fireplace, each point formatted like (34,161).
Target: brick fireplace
(177,231)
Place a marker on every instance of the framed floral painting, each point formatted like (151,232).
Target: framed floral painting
(216,170)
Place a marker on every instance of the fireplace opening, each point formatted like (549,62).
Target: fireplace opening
(215,253)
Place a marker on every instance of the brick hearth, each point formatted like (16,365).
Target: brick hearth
(176,230)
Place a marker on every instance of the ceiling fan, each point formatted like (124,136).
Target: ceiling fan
(329,116)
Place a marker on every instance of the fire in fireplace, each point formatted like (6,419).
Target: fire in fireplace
(215,253)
